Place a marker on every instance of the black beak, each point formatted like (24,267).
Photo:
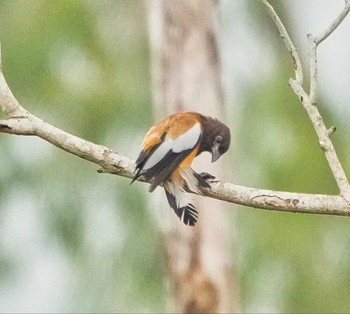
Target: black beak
(215,155)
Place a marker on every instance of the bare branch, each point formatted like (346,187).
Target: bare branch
(312,53)
(279,201)
(313,44)
(329,30)
(8,103)
(309,101)
(114,163)
(109,161)
(287,41)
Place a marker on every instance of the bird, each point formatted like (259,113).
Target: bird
(167,152)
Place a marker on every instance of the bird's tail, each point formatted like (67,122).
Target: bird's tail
(180,202)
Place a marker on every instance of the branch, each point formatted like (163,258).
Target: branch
(329,30)
(309,100)
(287,41)
(108,160)
(21,122)
(8,103)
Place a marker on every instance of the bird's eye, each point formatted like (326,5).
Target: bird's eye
(218,139)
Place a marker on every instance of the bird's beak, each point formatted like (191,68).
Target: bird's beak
(215,155)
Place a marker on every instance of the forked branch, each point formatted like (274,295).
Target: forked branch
(309,100)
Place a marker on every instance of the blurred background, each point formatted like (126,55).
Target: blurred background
(72,240)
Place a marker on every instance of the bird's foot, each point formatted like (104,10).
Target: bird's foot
(207,177)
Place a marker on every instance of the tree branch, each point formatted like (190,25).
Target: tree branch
(114,163)
(8,103)
(21,122)
(309,101)
(329,30)
(287,41)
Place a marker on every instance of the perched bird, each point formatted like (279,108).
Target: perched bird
(168,150)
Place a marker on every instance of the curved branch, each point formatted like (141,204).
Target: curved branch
(287,41)
(8,103)
(329,30)
(108,160)
(114,163)
(21,122)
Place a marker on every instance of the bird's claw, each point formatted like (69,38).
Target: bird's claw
(207,177)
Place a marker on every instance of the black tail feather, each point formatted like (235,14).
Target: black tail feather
(188,214)
(136,176)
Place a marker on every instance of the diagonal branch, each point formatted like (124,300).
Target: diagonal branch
(22,122)
(287,41)
(313,44)
(309,100)
(8,103)
(329,30)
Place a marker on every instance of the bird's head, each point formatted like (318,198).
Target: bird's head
(216,138)
(221,143)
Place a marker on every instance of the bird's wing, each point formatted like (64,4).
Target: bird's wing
(167,145)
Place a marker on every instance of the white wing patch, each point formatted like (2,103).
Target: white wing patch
(181,197)
(185,141)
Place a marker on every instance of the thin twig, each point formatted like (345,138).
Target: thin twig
(312,53)
(287,41)
(329,30)
(313,44)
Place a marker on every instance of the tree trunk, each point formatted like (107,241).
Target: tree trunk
(186,77)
